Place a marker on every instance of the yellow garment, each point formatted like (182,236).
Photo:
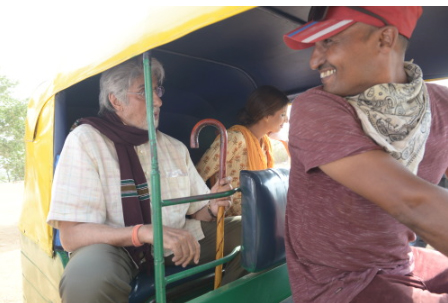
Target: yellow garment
(238,159)
(257,158)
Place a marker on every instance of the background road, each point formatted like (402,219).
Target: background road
(11,195)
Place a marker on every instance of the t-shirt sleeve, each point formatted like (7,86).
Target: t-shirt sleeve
(325,128)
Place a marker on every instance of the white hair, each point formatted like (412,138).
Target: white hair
(118,79)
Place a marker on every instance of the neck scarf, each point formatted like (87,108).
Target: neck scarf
(255,154)
(134,187)
(397,116)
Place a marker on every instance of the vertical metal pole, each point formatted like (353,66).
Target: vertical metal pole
(159,267)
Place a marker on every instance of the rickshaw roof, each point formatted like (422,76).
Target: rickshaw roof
(251,42)
(151,27)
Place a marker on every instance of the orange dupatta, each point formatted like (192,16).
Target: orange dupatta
(255,154)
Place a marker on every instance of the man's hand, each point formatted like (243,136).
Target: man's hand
(220,186)
(181,242)
(75,235)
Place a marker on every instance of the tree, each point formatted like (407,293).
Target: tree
(12,126)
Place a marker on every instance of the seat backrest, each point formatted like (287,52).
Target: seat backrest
(263,203)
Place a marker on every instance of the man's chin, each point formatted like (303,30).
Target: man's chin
(156,124)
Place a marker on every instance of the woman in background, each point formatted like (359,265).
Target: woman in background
(249,146)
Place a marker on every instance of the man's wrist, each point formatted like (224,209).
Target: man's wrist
(210,212)
(135,241)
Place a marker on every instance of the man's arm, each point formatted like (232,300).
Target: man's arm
(75,235)
(204,213)
(378,177)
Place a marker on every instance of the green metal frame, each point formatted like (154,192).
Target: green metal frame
(159,269)
(265,287)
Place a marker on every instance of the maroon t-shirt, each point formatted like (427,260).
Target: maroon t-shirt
(336,241)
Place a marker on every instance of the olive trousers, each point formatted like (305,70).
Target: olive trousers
(102,273)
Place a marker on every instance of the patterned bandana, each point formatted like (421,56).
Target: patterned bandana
(397,116)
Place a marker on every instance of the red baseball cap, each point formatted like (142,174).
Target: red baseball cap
(335,19)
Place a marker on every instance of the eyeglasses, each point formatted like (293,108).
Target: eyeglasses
(318,13)
(159,90)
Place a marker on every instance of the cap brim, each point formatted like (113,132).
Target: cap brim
(306,35)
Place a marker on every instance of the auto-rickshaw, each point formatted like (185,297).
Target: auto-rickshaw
(214,57)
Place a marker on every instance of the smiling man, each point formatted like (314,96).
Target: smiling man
(367,150)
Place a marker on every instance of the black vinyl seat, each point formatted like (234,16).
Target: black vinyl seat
(263,205)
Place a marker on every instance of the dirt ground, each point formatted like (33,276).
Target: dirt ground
(11,195)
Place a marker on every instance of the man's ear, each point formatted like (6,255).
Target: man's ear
(115,102)
(388,37)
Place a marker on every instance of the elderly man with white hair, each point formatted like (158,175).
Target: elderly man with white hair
(100,197)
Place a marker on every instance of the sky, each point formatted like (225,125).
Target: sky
(25,40)
(37,36)
(35,33)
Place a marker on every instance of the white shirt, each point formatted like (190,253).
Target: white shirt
(86,186)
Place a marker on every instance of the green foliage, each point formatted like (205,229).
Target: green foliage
(12,131)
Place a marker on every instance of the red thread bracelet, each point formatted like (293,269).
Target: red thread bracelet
(135,241)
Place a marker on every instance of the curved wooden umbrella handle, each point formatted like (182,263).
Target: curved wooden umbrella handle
(194,143)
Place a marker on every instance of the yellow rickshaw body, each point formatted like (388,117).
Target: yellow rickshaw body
(41,269)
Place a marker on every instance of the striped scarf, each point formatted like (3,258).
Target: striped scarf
(134,187)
